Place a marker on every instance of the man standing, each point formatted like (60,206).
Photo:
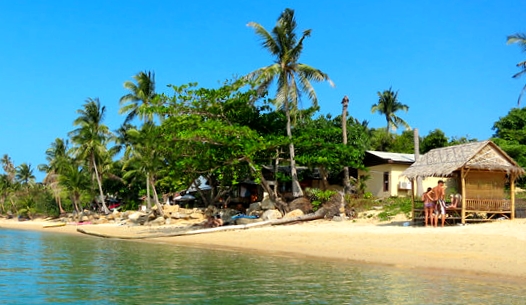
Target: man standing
(438,194)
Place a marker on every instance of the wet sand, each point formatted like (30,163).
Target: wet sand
(496,248)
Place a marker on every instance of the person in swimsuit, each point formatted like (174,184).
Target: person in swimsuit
(438,195)
(429,207)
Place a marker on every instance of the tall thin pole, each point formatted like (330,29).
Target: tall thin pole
(416,139)
(346,181)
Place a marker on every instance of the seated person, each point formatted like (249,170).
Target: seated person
(456,200)
(214,221)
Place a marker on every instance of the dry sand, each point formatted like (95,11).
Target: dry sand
(497,248)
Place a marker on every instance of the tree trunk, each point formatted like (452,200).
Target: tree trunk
(156,198)
(59,202)
(346,180)
(276,170)
(148,203)
(296,188)
(324,182)
(104,207)
(75,204)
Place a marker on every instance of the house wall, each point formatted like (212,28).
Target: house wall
(375,184)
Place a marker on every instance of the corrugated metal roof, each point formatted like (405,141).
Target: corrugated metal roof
(395,157)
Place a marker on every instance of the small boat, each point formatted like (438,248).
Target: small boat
(54,224)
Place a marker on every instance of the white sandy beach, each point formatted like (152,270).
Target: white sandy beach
(497,248)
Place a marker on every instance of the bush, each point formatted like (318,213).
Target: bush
(318,197)
(395,205)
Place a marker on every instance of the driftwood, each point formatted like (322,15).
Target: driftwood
(274,222)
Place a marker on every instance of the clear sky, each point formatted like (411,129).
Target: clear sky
(448,59)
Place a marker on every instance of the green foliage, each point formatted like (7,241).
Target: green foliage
(319,145)
(380,140)
(435,139)
(510,135)
(318,197)
(360,186)
(403,143)
(394,206)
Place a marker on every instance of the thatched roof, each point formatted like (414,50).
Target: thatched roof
(443,162)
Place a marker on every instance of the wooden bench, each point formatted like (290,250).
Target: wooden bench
(453,215)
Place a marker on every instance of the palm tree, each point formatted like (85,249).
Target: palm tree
(141,94)
(91,138)
(293,78)
(24,175)
(520,39)
(143,91)
(57,158)
(388,105)
(143,158)
(9,168)
(76,180)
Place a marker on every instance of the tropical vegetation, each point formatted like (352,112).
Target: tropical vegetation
(230,134)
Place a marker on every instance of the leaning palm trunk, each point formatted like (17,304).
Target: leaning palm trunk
(156,198)
(104,207)
(276,169)
(296,188)
(56,193)
(148,202)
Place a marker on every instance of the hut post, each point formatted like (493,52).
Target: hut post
(512,195)
(463,191)
(413,199)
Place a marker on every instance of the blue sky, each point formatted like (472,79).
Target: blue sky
(448,59)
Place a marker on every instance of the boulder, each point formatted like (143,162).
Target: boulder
(159,221)
(255,206)
(271,215)
(244,221)
(294,214)
(197,215)
(170,209)
(100,221)
(304,204)
(138,218)
(267,204)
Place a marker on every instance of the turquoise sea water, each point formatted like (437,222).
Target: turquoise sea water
(47,268)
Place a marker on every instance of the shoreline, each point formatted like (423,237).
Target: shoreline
(489,248)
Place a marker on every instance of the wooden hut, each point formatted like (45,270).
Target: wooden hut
(481,170)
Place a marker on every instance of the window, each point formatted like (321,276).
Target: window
(386,181)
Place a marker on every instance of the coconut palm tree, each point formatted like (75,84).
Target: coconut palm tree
(91,138)
(9,168)
(141,94)
(293,78)
(24,175)
(388,105)
(57,158)
(76,181)
(142,157)
(520,39)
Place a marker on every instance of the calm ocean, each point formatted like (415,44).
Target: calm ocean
(47,268)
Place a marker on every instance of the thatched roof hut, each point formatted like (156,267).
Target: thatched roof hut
(445,161)
(482,168)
